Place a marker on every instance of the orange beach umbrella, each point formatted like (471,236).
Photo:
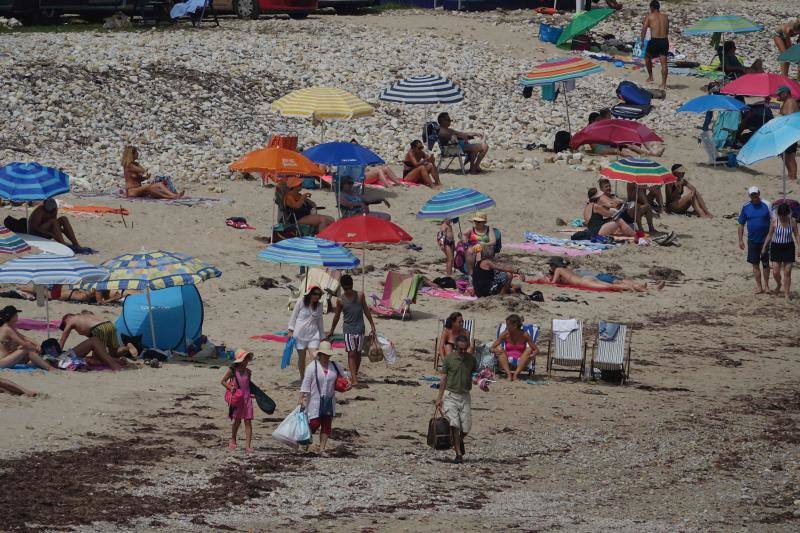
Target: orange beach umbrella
(276,161)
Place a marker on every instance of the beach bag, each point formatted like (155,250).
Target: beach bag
(445,283)
(439,431)
(265,403)
(388,349)
(286,432)
(561,141)
(485,357)
(234,398)
(630,111)
(302,431)
(287,352)
(342,383)
(17,225)
(630,93)
(583,235)
(549,33)
(640,48)
(372,349)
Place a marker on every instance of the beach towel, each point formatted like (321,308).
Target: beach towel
(608,330)
(447,293)
(30,324)
(185,201)
(551,249)
(538,238)
(20,367)
(725,127)
(576,287)
(562,328)
(287,352)
(94,210)
(272,337)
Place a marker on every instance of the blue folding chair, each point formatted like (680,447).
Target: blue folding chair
(533,331)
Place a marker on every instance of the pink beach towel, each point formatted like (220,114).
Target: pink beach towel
(30,324)
(283,338)
(447,293)
(551,249)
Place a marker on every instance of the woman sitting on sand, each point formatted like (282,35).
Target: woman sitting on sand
(600,220)
(453,328)
(15,348)
(419,167)
(135,175)
(304,210)
(68,293)
(514,347)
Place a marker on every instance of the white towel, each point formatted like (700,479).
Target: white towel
(563,328)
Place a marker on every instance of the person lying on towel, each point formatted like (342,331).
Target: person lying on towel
(561,273)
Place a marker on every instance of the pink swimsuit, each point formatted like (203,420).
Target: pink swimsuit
(244,411)
(514,351)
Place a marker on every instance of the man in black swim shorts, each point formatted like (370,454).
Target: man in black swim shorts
(658,24)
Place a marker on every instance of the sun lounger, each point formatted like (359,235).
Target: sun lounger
(469,325)
(609,351)
(533,331)
(326,279)
(566,350)
(399,292)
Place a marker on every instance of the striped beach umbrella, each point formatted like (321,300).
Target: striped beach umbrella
(310,252)
(639,171)
(454,202)
(431,89)
(26,182)
(560,71)
(722,24)
(49,269)
(321,104)
(10,243)
(150,271)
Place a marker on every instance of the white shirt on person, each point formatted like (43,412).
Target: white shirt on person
(315,374)
(306,322)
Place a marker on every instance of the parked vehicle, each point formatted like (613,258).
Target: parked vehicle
(252,9)
(346,6)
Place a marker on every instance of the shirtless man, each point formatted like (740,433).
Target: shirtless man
(658,24)
(45,222)
(789,106)
(475,151)
(101,339)
(783,40)
(560,272)
(678,202)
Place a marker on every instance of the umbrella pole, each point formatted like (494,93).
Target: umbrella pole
(152,322)
(783,174)
(363,268)
(47,313)
(566,106)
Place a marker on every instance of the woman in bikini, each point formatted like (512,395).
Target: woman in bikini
(783,40)
(16,348)
(514,347)
(135,175)
(419,167)
(447,244)
(453,327)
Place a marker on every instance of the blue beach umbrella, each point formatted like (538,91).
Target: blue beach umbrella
(454,202)
(310,252)
(25,182)
(711,102)
(771,140)
(49,269)
(343,153)
(431,89)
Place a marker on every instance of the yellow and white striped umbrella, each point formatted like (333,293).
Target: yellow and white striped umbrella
(322,103)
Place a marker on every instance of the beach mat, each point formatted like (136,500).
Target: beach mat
(450,294)
(576,287)
(550,249)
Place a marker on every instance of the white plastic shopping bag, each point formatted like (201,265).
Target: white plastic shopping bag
(302,429)
(287,430)
(389,351)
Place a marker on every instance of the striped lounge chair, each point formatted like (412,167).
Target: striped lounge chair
(533,331)
(613,356)
(469,325)
(567,355)
(399,292)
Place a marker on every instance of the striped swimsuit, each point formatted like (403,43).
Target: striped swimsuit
(781,249)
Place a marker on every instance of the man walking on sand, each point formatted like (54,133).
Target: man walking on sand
(658,24)
(454,387)
(756,215)
(789,106)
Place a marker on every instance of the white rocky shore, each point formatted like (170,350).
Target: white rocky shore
(194,100)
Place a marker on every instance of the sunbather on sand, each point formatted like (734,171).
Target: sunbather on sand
(16,348)
(446,241)
(12,388)
(101,339)
(682,195)
(419,167)
(67,293)
(45,222)
(561,273)
(382,174)
(353,204)
(135,175)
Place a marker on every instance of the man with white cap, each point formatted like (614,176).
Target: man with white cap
(756,215)
(788,106)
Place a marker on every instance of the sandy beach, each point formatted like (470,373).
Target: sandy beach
(703,437)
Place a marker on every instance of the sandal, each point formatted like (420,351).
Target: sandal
(232,445)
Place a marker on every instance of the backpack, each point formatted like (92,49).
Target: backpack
(561,141)
(430,134)
(630,93)
(51,347)
(445,283)
(630,111)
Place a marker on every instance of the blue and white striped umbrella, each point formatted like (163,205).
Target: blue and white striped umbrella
(423,90)
(25,182)
(454,202)
(310,252)
(49,269)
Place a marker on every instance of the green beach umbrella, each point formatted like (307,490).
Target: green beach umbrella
(792,55)
(584,22)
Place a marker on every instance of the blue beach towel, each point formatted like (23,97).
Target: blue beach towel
(608,330)
(287,353)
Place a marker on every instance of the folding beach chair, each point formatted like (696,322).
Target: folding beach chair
(287,225)
(567,355)
(533,331)
(469,325)
(449,151)
(399,292)
(326,279)
(357,173)
(611,355)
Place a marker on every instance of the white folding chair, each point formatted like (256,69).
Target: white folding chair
(567,355)
(613,355)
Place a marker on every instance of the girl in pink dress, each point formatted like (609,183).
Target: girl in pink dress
(238,377)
